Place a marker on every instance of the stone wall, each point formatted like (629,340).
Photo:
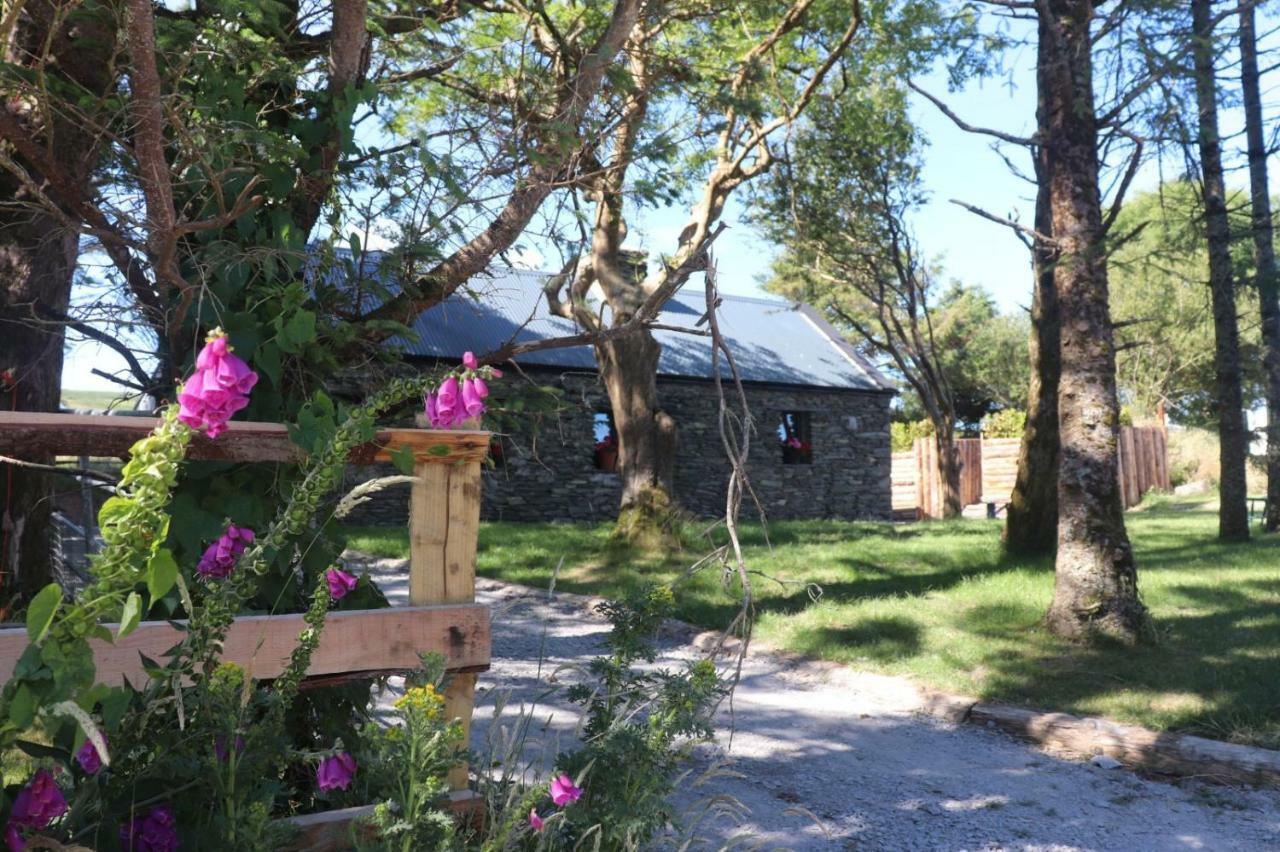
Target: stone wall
(549,473)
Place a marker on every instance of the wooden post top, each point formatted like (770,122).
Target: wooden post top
(33,434)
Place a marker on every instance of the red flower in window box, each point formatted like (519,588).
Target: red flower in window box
(607,453)
(795,451)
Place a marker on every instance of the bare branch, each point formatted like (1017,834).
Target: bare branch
(1027,141)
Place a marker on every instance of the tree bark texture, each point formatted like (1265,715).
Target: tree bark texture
(1264,255)
(38,251)
(1233,437)
(646,434)
(1031,518)
(948,468)
(1095,579)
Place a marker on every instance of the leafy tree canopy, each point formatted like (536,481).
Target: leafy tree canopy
(1160,300)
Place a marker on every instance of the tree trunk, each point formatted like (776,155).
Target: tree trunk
(1031,519)
(1264,256)
(646,436)
(1233,438)
(38,255)
(37,260)
(948,467)
(1095,581)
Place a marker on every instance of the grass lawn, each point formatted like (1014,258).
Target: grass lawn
(939,602)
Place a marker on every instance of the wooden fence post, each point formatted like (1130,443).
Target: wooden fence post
(444,521)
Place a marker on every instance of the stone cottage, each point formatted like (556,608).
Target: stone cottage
(821,447)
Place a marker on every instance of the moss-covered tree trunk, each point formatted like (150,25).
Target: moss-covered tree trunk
(1031,520)
(646,436)
(1095,579)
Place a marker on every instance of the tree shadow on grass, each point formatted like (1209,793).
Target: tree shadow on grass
(881,639)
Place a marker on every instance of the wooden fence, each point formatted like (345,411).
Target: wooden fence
(989,469)
(442,615)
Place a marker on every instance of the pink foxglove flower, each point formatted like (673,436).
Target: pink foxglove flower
(88,758)
(535,821)
(472,401)
(13,839)
(336,772)
(217,389)
(469,360)
(39,803)
(220,557)
(448,407)
(563,791)
(156,831)
(340,582)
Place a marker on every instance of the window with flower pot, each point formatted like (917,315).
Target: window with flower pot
(498,451)
(795,437)
(606,438)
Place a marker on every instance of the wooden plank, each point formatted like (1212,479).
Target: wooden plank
(1125,448)
(356,640)
(444,523)
(459,703)
(1153,459)
(460,585)
(1163,455)
(34,434)
(464,530)
(428,533)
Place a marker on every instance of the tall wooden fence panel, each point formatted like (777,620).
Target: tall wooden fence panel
(905,495)
(989,470)
(917,485)
(442,617)
(999,468)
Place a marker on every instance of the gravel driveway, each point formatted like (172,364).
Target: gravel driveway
(824,757)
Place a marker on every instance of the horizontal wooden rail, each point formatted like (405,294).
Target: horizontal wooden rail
(30,434)
(374,640)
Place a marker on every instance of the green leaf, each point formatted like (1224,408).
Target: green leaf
(403,459)
(22,708)
(438,450)
(113,510)
(297,332)
(43,752)
(40,613)
(162,572)
(31,665)
(131,615)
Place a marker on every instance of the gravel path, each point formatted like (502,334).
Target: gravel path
(856,753)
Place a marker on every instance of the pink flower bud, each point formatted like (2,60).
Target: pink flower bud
(336,772)
(340,583)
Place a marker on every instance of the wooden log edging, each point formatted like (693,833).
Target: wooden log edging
(1136,747)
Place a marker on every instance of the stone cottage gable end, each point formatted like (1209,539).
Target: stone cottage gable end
(796,370)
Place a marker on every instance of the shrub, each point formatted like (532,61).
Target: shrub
(1193,457)
(202,756)
(1006,423)
(903,435)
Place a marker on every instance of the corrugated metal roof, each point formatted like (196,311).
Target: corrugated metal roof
(772,341)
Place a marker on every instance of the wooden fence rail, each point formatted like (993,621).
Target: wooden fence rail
(989,469)
(444,521)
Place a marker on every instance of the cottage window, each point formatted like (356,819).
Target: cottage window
(498,451)
(795,437)
(606,442)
